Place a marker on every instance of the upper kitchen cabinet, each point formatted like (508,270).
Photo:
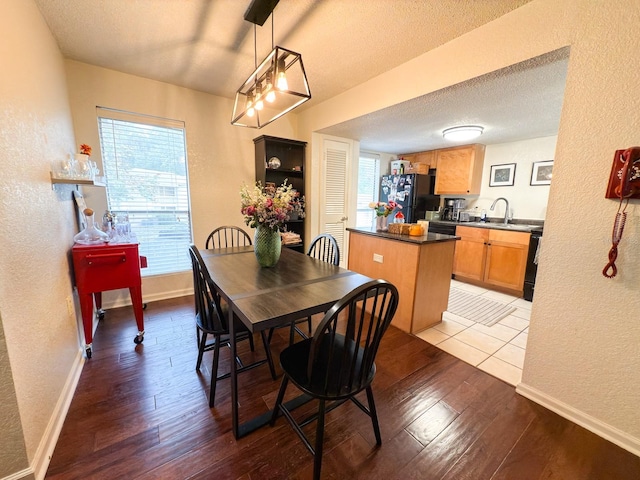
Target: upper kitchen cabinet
(425,158)
(459,170)
(277,160)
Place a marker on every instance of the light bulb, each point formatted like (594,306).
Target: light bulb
(249,105)
(259,103)
(281,78)
(282,81)
(271,96)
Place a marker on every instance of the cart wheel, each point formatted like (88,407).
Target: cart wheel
(100,314)
(144,306)
(138,339)
(88,352)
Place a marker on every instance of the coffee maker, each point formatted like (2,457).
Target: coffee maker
(453,207)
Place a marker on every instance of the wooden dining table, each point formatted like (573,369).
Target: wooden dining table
(262,298)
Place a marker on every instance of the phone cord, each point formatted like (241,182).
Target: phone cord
(610,269)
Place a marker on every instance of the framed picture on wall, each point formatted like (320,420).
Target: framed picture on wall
(502,175)
(541,173)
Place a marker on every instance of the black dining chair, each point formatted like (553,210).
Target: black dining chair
(212,319)
(324,247)
(338,362)
(228,236)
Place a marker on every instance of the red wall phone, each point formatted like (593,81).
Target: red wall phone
(624,183)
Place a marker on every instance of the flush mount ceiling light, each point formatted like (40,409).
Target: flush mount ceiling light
(276,86)
(463,132)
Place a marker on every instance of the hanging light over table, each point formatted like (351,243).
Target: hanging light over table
(277,86)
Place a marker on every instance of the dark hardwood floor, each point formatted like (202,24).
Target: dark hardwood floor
(141,412)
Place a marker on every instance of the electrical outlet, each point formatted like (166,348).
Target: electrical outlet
(70,306)
(378,258)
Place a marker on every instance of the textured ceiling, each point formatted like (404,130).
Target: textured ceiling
(516,103)
(207,45)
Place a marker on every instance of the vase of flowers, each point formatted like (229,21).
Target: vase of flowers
(383,210)
(267,209)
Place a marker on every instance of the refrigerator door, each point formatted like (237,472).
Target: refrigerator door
(396,188)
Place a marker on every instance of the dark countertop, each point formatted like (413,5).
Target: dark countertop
(429,238)
(516,226)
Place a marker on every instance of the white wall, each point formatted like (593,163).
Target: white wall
(220,156)
(526,202)
(582,354)
(42,345)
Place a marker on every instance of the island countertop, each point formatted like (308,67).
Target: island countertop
(420,240)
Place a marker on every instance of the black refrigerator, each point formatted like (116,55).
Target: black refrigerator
(413,191)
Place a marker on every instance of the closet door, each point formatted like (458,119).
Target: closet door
(336,158)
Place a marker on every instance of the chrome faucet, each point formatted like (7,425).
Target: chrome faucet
(506,209)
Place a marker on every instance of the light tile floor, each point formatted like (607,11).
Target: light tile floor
(498,349)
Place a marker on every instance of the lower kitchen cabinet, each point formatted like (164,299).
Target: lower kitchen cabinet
(491,258)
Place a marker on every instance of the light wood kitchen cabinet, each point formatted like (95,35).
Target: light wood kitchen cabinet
(459,170)
(427,158)
(492,258)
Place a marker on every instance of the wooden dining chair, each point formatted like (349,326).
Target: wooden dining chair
(212,319)
(338,362)
(228,236)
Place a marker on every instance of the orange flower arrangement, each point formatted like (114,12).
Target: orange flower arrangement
(85,149)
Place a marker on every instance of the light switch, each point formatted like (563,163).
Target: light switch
(378,258)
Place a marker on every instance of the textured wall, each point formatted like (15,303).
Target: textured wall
(584,340)
(37,222)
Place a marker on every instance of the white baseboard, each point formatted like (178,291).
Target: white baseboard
(126,300)
(620,438)
(52,432)
(26,474)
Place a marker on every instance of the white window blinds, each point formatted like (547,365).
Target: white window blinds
(144,161)
(368,185)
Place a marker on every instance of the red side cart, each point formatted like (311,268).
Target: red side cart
(107,267)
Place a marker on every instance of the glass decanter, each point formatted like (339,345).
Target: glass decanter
(90,235)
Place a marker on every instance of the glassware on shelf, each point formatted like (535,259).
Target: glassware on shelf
(91,234)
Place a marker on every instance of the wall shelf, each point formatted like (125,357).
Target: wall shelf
(77,181)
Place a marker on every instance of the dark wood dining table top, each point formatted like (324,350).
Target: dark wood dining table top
(295,287)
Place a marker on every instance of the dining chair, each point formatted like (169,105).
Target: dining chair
(338,362)
(228,236)
(324,247)
(211,319)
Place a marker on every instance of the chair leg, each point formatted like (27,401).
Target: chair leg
(202,343)
(267,350)
(317,459)
(374,415)
(276,408)
(214,372)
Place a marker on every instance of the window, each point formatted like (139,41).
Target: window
(144,161)
(368,185)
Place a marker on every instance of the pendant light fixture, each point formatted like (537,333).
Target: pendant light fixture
(276,86)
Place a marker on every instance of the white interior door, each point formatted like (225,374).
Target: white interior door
(336,158)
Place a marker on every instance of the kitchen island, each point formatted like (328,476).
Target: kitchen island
(419,266)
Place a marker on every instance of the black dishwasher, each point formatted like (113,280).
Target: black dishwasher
(532,264)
